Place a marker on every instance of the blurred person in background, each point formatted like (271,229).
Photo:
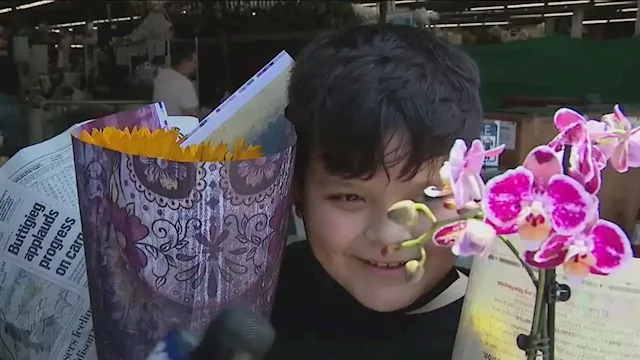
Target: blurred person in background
(13,123)
(173,85)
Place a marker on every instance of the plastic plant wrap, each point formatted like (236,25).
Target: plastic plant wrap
(168,243)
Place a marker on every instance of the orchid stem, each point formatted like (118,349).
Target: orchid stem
(423,256)
(427,211)
(517,254)
(414,242)
(535,335)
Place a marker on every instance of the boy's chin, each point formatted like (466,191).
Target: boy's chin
(386,298)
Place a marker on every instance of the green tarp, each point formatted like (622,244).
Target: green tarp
(558,66)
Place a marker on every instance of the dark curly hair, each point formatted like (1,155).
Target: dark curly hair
(350,91)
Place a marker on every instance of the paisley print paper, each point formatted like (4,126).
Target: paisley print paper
(168,243)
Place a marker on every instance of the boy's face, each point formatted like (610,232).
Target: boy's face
(347,227)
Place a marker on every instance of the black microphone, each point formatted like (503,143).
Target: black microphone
(235,334)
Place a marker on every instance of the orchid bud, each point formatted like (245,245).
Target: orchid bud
(403,213)
(449,204)
(445,174)
(414,271)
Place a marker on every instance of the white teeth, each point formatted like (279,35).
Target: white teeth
(384,265)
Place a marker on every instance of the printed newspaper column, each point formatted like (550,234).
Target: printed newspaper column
(44,302)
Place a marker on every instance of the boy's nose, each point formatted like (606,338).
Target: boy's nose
(382,231)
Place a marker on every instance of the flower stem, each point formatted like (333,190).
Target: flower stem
(427,211)
(535,335)
(517,254)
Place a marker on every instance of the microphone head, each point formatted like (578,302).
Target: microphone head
(237,329)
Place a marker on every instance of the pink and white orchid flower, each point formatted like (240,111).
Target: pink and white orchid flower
(574,129)
(572,126)
(466,237)
(539,199)
(586,165)
(460,175)
(600,249)
(513,229)
(619,142)
(585,160)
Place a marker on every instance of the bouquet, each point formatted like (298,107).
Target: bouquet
(174,233)
(550,202)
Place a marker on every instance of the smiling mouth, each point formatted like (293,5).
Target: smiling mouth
(383,265)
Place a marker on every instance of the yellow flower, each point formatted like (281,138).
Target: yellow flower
(163,144)
(243,152)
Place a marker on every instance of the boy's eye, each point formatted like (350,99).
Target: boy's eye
(346,197)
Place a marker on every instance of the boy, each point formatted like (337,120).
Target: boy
(376,109)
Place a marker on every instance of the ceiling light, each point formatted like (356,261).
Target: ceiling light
(613,3)
(568,13)
(27,6)
(526,16)
(34,4)
(520,6)
(563,3)
(99,21)
(486,8)
(622,20)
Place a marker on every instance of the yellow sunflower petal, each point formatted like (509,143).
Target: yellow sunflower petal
(163,144)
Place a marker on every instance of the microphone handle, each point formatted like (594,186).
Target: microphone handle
(181,345)
(176,345)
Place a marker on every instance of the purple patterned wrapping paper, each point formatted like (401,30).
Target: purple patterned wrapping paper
(168,243)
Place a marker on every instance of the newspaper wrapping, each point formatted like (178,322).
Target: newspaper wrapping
(44,299)
(44,303)
(167,243)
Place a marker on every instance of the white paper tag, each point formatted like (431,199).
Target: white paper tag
(490,138)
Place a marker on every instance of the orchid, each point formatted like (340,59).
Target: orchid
(549,202)
(586,164)
(572,126)
(460,174)
(578,132)
(538,199)
(466,237)
(619,141)
(600,249)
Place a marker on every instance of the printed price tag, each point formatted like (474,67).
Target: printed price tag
(490,138)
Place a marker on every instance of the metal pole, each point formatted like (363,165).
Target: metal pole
(383,7)
(637,31)
(197,68)
(109,14)
(168,64)
(576,23)
(391,6)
